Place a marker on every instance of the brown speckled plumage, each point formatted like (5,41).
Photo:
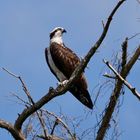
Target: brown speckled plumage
(66,61)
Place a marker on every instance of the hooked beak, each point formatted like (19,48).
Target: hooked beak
(64,31)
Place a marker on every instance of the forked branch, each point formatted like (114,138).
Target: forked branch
(115,95)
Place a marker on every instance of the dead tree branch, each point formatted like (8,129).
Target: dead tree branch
(60,121)
(10,128)
(31,102)
(133,90)
(133,59)
(115,95)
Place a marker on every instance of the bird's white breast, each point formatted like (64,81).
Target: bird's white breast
(57,39)
(59,74)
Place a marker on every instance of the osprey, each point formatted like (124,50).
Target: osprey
(62,61)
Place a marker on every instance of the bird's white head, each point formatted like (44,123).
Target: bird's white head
(56,35)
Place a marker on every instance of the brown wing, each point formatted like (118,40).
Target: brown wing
(65,60)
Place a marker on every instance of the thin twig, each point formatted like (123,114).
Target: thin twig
(19,98)
(60,121)
(12,74)
(133,36)
(55,124)
(109,76)
(22,82)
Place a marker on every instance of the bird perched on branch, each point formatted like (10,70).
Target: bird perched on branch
(62,61)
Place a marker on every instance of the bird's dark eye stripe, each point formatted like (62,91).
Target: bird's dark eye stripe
(52,34)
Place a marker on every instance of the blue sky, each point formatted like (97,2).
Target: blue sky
(24,34)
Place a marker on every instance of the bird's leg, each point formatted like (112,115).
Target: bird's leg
(63,83)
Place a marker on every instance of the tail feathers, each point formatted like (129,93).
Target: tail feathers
(83,96)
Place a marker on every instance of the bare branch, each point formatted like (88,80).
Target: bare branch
(23,101)
(59,120)
(132,60)
(32,102)
(22,82)
(55,124)
(115,96)
(29,98)
(42,122)
(133,36)
(133,90)
(10,128)
(109,76)
(12,74)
